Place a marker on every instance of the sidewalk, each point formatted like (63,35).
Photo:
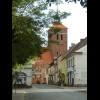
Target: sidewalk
(81,89)
(60,88)
(24,90)
(18,96)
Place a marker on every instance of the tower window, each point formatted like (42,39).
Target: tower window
(61,37)
(57,36)
(57,53)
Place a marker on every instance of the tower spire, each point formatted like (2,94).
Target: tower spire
(57,18)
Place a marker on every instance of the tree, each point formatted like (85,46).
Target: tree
(26,43)
(83,3)
(28,22)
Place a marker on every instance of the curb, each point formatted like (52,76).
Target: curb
(82,91)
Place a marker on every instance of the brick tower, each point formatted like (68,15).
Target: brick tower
(57,42)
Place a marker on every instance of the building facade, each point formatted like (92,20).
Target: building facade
(76,59)
(57,42)
(81,67)
(24,76)
(40,67)
(52,72)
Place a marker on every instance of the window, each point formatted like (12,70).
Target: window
(24,78)
(73,61)
(69,63)
(46,70)
(57,53)
(61,37)
(57,36)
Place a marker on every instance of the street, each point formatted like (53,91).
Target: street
(49,92)
(56,96)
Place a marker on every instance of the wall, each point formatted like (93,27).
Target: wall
(40,65)
(64,69)
(61,47)
(58,49)
(39,72)
(25,76)
(81,66)
(28,71)
(59,64)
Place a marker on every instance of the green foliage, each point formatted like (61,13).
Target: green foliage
(28,22)
(54,31)
(62,78)
(25,47)
(54,41)
(83,3)
(26,43)
(57,16)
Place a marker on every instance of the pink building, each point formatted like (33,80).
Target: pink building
(39,67)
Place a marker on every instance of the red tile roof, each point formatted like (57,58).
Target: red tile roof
(58,26)
(46,58)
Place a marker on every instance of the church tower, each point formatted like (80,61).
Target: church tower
(57,41)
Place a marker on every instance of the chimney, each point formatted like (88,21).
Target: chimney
(81,40)
(70,47)
(72,44)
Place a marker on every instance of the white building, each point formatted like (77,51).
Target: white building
(52,73)
(76,59)
(24,76)
(81,66)
(77,67)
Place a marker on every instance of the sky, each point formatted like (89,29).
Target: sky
(76,22)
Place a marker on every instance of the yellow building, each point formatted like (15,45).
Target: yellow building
(62,69)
